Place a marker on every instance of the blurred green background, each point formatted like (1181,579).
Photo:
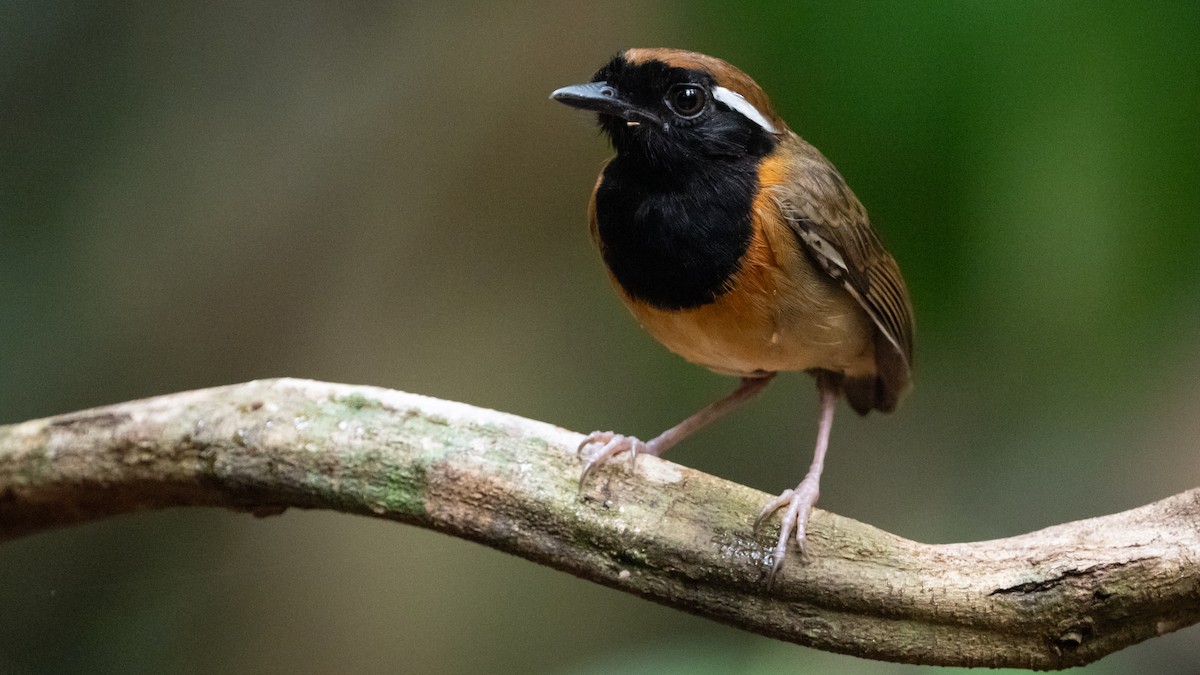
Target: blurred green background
(195,194)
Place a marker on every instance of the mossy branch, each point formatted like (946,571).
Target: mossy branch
(1055,598)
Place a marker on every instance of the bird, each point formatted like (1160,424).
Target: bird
(737,245)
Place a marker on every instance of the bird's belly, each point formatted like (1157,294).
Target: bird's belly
(768,327)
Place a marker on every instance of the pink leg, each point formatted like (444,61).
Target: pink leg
(800,501)
(613,444)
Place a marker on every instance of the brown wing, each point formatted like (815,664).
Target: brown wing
(834,229)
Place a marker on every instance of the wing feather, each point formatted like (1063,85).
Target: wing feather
(833,228)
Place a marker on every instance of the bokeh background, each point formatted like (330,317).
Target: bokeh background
(196,194)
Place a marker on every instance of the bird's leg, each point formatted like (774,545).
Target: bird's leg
(800,501)
(613,444)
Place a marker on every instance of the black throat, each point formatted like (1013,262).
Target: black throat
(674,239)
(673,209)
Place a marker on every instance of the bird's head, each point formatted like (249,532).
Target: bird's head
(671,107)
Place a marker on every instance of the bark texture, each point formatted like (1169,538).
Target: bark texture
(1059,597)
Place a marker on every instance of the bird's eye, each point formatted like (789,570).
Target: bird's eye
(687,100)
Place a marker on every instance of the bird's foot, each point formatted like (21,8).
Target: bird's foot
(799,503)
(610,445)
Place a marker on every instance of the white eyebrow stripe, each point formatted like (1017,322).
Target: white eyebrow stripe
(736,102)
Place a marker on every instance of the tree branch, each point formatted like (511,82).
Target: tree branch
(1055,598)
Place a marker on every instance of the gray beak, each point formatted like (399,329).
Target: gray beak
(599,97)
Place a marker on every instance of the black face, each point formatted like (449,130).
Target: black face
(691,124)
(666,116)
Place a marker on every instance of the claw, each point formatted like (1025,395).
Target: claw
(613,445)
(799,503)
(587,440)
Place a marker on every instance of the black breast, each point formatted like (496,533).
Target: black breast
(674,241)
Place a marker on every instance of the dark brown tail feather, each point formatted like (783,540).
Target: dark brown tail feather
(884,391)
(862,393)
